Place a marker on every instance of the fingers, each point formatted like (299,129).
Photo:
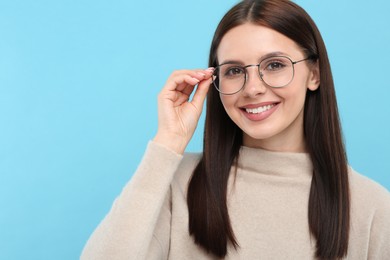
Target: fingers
(181,80)
(181,84)
(181,98)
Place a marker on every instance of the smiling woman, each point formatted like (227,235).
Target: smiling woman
(273,180)
(269,109)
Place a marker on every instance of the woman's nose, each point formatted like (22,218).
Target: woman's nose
(254,84)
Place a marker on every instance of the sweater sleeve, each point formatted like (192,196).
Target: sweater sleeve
(129,230)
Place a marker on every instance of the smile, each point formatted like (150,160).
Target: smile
(259,110)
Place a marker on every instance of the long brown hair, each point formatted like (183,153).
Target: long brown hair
(329,201)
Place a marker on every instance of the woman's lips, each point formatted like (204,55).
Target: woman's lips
(260,111)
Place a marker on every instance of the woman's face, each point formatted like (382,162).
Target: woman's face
(270,118)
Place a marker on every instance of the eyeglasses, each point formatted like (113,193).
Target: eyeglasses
(276,72)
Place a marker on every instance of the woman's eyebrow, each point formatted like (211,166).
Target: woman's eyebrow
(265,56)
(237,62)
(272,54)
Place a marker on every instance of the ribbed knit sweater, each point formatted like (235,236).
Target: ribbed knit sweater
(267,203)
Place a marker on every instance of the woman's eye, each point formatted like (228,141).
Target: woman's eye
(234,71)
(275,65)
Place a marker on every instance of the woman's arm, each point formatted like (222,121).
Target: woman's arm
(127,231)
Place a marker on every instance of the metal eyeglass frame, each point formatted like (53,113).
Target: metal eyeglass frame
(261,74)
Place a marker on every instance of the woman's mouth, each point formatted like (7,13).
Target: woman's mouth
(259,112)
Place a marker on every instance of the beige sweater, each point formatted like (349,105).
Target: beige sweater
(268,207)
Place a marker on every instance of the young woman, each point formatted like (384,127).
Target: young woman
(273,180)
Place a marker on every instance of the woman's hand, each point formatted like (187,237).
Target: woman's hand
(177,115)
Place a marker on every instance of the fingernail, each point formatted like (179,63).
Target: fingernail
(211,69)
(197,80)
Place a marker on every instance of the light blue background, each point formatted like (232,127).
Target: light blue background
(78,86)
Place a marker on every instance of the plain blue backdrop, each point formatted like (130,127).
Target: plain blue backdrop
(78,87)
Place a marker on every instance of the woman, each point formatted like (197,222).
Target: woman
(273,180)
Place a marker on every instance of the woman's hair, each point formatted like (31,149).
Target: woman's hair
(329,201)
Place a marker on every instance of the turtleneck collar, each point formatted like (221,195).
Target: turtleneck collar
(286,164)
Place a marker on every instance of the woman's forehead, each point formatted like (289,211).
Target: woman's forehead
(252,42)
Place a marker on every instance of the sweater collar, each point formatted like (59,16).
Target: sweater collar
(287,164)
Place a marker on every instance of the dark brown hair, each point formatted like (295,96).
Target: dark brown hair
(329,201)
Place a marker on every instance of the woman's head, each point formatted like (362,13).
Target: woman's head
(288,20)
(272,75)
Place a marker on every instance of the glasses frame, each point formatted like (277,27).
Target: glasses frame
(260,73)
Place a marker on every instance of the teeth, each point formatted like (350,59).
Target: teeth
(259,109)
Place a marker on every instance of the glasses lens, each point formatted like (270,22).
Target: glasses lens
(229,78)
(276,71)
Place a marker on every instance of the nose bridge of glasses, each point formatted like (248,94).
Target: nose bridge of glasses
(258,72)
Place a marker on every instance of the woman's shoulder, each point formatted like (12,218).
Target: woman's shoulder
(368,193)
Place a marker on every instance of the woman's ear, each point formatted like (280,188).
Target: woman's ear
(314,78)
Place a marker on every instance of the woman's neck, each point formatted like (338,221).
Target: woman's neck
(279,143)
